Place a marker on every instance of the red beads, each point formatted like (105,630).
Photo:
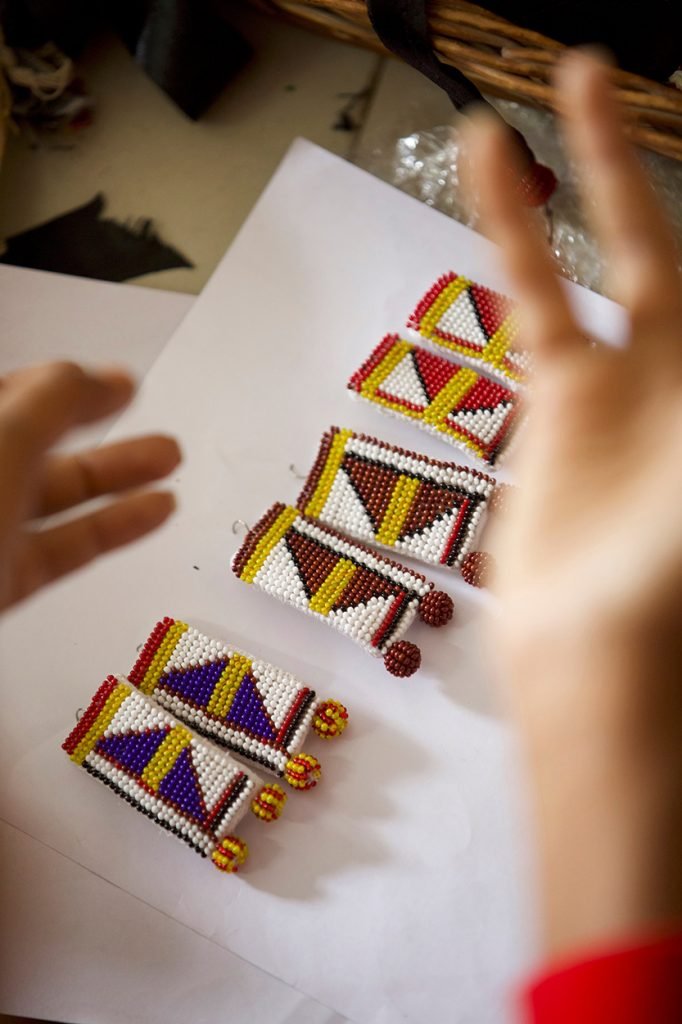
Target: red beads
(501,498)
(436,608)
(477,568)
(403,658)
(537,185)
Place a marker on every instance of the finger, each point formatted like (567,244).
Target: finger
(46,556)
(548,325)
(72,479)
(37,406)
(641,258)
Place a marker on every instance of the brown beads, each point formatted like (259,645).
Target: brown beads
(403,658)
(436,608)
(500,499)
(477,568)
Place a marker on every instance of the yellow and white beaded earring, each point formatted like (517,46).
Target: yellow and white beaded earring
(370,598)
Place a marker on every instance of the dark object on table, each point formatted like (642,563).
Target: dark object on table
(186,46)
(83,243)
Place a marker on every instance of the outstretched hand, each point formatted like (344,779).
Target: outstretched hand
(589,554)
(38,406)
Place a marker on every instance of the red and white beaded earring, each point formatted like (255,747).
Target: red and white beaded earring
(167,772)
(450,400)
(370,598)
(256,710)
(479,325)
(379,494)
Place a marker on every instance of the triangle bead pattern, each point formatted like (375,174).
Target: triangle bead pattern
(357,591)
(478,324)
(254,709)
(180,780)
(400,500)
(469,411)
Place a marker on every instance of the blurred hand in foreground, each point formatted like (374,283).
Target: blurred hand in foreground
(38,406)
(589,553)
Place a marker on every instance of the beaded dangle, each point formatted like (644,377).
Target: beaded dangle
(254,709)
(480,325)
(357,591)
(163,769)
(449,400)
(398,499)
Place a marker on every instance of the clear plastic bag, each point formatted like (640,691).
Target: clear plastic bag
(425,164)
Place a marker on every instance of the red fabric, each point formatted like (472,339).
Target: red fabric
(637,984)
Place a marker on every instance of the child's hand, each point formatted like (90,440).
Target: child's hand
(37,407)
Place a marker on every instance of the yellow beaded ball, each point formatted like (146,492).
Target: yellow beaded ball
(331,718)
(269,802)
(230,854)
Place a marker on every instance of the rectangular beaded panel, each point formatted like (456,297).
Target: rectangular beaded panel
(398,499)
(255,709)
(179,780)
(449,400)
(480,325)
(357,591)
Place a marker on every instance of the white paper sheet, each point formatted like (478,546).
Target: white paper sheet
(45,316)
(396,890)
(110,963)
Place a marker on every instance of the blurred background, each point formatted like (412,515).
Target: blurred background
(137,135)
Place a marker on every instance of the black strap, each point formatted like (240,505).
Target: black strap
(403,28)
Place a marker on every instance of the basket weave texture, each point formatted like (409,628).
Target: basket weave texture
(502,59)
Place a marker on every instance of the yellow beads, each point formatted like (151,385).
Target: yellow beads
(162,656)
(303,771)
(333,587)
(165,757)
(398,510)
(429,321)
(230,854)
(269,802)
(101,723)
(227,686)
(328,475)
(267,543)
(330,719)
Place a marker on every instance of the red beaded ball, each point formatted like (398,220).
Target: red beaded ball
(537,185)
(499,500)
(436,608)
(477,568)
(403,658)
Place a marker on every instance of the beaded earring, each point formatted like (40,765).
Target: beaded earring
(254,709)
(163,769)
(480,325)
(400,500)
(357,591)
(449,400)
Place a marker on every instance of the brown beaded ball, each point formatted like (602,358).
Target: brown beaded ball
(403,658)
(477,568)
(500,498)
(436,608)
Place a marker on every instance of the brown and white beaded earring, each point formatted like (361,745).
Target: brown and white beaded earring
(370,598)
(401,500)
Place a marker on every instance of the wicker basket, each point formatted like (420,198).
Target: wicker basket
(502,59)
